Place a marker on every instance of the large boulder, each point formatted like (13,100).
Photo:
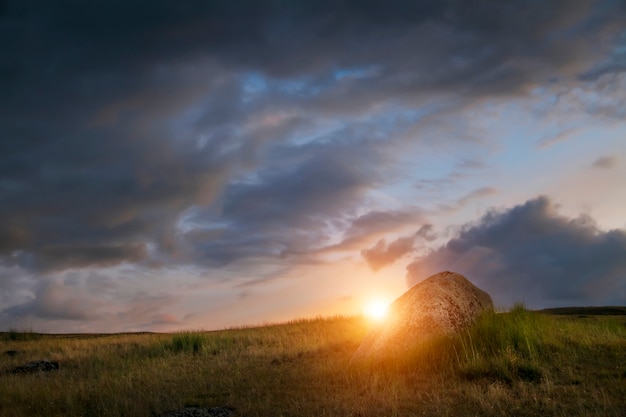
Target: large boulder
(442,304)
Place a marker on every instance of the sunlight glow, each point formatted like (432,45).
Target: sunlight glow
(376,310)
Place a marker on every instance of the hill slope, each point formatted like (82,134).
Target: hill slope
(516,364)
(590,311)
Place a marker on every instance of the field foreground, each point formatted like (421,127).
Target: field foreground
(519,363)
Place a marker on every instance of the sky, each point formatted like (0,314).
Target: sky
(207,164)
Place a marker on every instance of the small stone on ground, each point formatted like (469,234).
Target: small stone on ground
(35,366)
(200,412)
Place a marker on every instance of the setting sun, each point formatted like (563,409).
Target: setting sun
(376,310)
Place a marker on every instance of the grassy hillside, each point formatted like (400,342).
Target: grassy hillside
(595,311)
(516,364)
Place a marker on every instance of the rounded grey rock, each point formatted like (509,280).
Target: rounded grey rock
(442,304)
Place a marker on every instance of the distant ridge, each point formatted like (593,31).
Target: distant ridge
(591,311)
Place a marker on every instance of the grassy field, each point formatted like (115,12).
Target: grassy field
(519,363)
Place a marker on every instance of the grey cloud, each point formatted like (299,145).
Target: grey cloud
(162,319)
(434,188)
(362,230)
(15,285)
(477,193)
(562,136)
(54,300)
(605,162)
(383,254)
(147,311)
(436,184)
(606,96)
(603,98)
(615,62)
(288,208)
(531,253)
(467,198)
(426,232)
(381,220)
(471,164)
(91,300)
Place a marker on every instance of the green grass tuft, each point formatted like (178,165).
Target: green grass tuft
(19,335)
(187,342)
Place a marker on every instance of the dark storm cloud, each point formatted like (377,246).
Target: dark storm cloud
(68,256)
(615,62)
(101,205)
(99,50)
(118,117)
(533,254)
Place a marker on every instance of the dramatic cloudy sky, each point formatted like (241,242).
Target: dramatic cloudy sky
(200,164)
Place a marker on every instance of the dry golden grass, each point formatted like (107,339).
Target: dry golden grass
(515,364)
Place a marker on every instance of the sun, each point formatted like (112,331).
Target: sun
(376,310)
